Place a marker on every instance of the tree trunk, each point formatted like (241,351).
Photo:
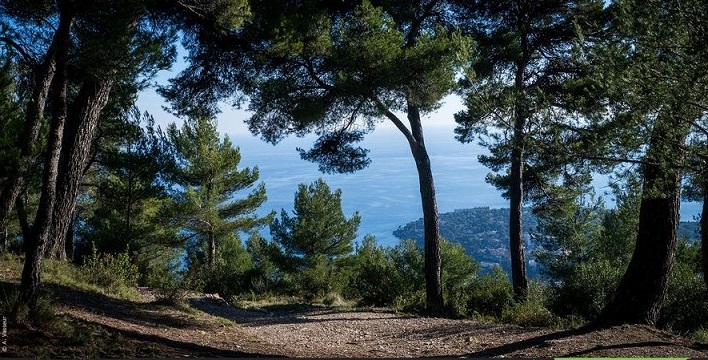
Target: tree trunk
(79,136)
(516,234)
(36,242)
(211,257)
(69,242)
(33,123)
(642,289)
(704,234)
(433,273)
(516,175)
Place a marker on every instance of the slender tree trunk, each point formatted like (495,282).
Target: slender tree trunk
(516,176)
(34,111)
(433,262)
(642,290)
(516,234)
(211,258)
(36,242)
(704,234)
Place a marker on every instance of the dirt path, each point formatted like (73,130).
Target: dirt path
(209,327)
(312,332)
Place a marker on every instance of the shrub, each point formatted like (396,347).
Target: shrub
(42,315)
(488,295)
(532,311)
(685,309)
(376,279)
(586,289)
(111,271)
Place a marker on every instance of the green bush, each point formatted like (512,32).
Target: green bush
(320,277)
(376,280)
(488,295)
(586,289)
(532,311)
(42,315)
(111,271)
(686,309)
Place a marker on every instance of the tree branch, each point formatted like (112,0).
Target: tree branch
(19,49)
(394,119)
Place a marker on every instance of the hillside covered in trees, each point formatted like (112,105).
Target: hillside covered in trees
(483,233)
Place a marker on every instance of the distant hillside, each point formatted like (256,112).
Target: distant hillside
(484,233)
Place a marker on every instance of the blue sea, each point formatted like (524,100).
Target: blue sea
(386,193)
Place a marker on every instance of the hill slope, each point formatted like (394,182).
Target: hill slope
(484,233)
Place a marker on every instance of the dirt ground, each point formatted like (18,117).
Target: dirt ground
(209,327)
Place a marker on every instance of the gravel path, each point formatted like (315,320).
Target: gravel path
(318,332)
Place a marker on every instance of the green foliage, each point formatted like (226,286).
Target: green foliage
(487,295)
(318,226)
(686,308)
(128,207)
(532,311)
(43,315)
(585,249)
(587,289)
(111,271)
(231,274)
(208,178)
(384,276)
(310,248)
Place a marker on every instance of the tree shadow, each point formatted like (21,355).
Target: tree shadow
(618,346)
(280,314)
(145,314)
(531,342)
(173,348)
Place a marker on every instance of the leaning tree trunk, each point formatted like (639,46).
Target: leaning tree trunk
(79,136)
(642,289)
(433,262)
(34,111)
(35,244)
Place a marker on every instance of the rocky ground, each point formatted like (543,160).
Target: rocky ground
(208,327)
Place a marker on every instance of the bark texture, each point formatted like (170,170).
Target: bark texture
(704,235)
(78,139)
(642,289)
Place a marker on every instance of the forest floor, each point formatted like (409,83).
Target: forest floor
(99,326)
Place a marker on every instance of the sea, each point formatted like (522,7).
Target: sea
(386,193)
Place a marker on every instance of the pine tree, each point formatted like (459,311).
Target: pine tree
(318,226)
(520,90)
(315,238)
(207,182)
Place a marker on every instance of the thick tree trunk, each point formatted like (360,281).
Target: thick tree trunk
(516,234)
(642,290)
(433,262)
(79,136)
